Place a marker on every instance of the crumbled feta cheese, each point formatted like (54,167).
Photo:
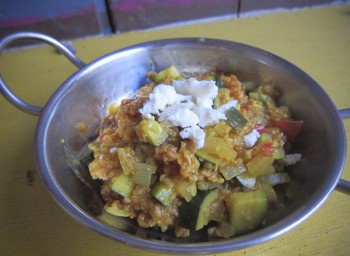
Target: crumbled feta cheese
(204,102)
(182,117)
(194,133)
(195,88)
(251,138)
(161,97)
(223,108)
(208,116)
(292,159)
(187,104)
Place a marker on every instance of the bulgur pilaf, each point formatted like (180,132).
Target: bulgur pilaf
(161,176)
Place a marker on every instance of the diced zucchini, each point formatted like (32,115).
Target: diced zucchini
(260,165)
(254,96)
(143,173)
(217,211)
(246,180)
(121,184)
(222,129)
(151,131)
(280,154)
(249,86)
(219,148)
(259,96)
(247,210)
(269,101)
(127,160)
(258,104)
(264,138)
(114,210)
(225,229)
(274,178)
(195,214)
(235,118)
(167,75)
(164,192)
(186,189)
(202,155)
(207,185)
(232,171)
(271,194)
(222,97)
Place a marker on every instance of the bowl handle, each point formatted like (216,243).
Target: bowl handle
(344,185)
(4,89)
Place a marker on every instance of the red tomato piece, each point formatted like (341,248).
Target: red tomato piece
(267,149)
(261,129)
(291,128)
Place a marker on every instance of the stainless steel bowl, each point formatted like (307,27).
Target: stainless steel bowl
(85,96)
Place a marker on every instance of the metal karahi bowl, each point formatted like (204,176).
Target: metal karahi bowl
(85,96)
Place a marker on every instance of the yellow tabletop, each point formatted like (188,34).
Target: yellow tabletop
(31,223)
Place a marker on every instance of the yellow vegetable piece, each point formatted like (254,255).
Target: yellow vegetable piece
(261,165)
(232,171)
(164,192)
(121,184)
(186,189)
(152,132)
(271,194)
(114,210)
(168,75)
(218,147)
(127,160)
(247,210)
(222,97)
(143,173)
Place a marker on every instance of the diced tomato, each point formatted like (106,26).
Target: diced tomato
(267,149)
(261,129)
(291,128)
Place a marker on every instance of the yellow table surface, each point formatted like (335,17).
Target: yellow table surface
(31,223)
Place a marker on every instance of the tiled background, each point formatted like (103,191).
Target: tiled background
(67,19)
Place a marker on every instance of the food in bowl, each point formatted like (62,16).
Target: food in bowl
(195,152)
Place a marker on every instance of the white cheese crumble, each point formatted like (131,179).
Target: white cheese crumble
(194,133)
(223,108)
(251,138)
(161,97)
(292,159)
(208,116)
(195,88)
(183,117)
(187,104)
